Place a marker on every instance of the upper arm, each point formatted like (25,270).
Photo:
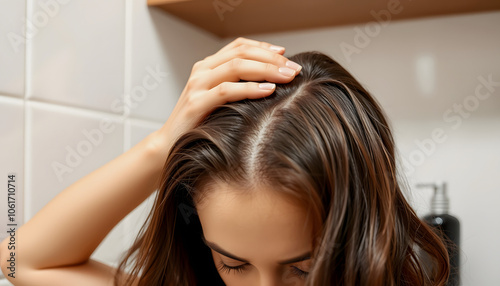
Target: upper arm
(89,273)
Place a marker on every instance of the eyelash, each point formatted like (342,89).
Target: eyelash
(299,272)
(242,268)
(228,269)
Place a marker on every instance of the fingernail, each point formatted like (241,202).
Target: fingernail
(266,85)
(286,71)
(293,65)
(276,48)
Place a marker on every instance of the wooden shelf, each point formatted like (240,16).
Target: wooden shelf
(232,18)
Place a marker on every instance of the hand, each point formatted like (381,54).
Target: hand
(215,81)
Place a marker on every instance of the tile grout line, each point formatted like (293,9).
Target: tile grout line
(100,112)
(127,128)
(75,108)
(27,126)
(127,65)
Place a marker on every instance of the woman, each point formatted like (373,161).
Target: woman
(292,185)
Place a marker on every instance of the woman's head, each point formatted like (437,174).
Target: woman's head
(309,173)
(256,238)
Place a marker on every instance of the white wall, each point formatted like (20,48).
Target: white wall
(422,71)
(74,72)
(74,68)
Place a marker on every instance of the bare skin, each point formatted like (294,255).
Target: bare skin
(54,247)
(262,232)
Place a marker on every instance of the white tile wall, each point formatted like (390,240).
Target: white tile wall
(83,60)
(12,154)
(77,55)
(63,145)
(12,47)
(169,46)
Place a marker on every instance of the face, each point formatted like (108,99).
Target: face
(259,238)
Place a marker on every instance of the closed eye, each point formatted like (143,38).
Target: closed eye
(242,268)
(237,269)
(299,272)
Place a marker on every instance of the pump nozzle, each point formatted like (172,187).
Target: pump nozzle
(439,202)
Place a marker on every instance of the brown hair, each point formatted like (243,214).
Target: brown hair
(321,138)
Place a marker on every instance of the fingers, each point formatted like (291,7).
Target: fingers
(243,59)
(244,41)
(234,91)
(244,52)
(249,70)
(248,60)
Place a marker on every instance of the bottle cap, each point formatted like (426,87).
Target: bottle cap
(440,203)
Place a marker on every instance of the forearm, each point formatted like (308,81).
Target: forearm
(69,228)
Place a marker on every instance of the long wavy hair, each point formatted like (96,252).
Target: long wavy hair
(321,138)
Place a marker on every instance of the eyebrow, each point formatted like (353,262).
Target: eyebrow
(219,249)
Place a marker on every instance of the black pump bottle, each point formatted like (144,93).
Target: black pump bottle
(440,219)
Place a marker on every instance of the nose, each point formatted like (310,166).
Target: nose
(275,279)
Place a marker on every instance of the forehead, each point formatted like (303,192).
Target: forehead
(255,225)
